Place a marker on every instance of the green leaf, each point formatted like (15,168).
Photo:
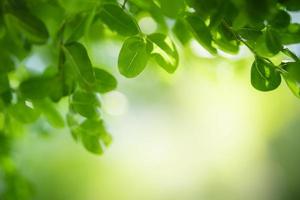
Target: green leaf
(292,77)
(50,112)
(77,55)
(29,25)
(264,76)
(291,5)
(201,32)
(93,135)
(164,52)
(6,64)
(171,8)
(273,42)
(117,19)
(23,112)
(86,104)
(290,35)
(35,88)
(249,33)
(280,20)
(226,39)
(4,83)
(134,56)
(105,82)
(75,28)
(179,30)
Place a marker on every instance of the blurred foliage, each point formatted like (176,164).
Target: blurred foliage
(65,28)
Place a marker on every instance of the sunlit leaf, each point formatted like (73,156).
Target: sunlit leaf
(164,52)
(264,76)
(117,19)
(134,56)
(292,77)
(201,32)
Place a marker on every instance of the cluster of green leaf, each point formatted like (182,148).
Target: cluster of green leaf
(65,27)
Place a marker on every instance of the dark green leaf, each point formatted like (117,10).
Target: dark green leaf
(264,76)
(86,104)
(164,52)
(134,56)
(201,32)
(273,41)
(77,55)
(6,63)
(30,26)
(35,88)
(4,83)
(249,33)
(280,20)
(179,30)
(105,82)
(117,19)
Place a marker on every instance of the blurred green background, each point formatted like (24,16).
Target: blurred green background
(201,134)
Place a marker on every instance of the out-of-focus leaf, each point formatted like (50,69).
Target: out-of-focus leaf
(117,19)
(264,76)
(36,87)
(273,41)
(105,82)
(134,56)
(201,32)
(93,134)
(29,25)
(50,112)
(23,113)
(292,77)
(4,83)
(85,103)
(171,8)
(6,63)
(280,20)
(179,30)
(290,35)
(164,52)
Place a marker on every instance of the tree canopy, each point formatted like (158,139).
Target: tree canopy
(62,29)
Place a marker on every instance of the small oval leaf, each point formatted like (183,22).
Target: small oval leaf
(133,57)
(264,76)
